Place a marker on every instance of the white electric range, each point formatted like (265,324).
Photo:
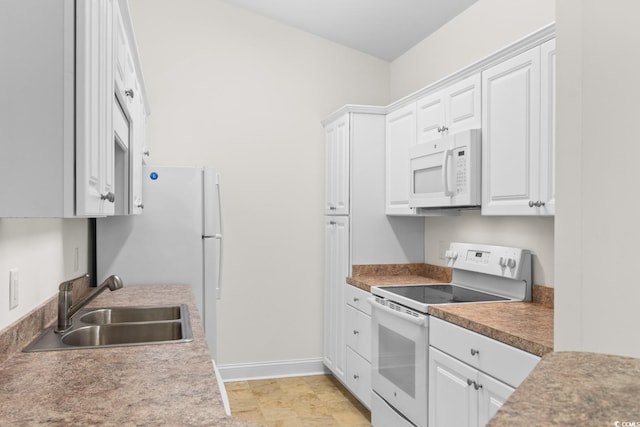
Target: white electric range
(400,324)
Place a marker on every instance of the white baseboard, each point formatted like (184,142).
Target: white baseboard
(279,369)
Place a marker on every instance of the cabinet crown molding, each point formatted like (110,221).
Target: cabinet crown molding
(536,38)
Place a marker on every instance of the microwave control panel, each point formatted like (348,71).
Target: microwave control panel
(461,170)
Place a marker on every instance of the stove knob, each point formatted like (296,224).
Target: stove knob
(511,262)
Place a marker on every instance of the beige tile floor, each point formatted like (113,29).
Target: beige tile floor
(318,400)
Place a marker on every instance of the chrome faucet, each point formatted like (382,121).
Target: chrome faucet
(66,308)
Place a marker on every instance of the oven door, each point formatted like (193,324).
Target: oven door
(399,365)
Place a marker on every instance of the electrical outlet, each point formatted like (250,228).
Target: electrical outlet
(76,260)
(13,288)
(442,248)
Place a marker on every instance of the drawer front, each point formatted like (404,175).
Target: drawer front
(359,377)
(497,359)
(358,298)
(358,331)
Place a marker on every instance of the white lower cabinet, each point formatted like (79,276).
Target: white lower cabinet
(359,377)
(470,375)
(358,340)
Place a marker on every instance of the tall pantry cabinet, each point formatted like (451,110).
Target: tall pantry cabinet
(357,230)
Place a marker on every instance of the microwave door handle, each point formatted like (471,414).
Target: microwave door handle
(445,171)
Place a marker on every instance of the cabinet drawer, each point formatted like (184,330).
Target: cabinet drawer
(497,359)
(359,377)
(358,298)
(358,331)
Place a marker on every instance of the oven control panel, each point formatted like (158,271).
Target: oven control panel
(503,261)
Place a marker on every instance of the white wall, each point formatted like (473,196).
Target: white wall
(597,225)
(245,94)
(43,252)
(483,28)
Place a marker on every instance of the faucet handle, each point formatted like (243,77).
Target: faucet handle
(68,285)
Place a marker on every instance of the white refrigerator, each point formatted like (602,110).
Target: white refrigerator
(176,240)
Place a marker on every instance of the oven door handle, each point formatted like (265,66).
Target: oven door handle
(420,320)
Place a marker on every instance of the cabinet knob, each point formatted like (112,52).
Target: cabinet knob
(332,208)
(469,382)
(356,376)
(476,385)
(531,203)
(474,351)
(129,93)
(332,223)
(540,203)
(140,205)
(146,153)
(110,197)
(355,332)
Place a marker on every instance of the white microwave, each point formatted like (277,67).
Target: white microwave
(446,172)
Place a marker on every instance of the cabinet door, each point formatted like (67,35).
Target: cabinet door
(94,108)
(453,401)
(400,135)
(510,135)
(430,117)
(548,128)
(463,105)
(136,152)
(359,377)
(336,271)
(491,397)
(337,167)
(358,332)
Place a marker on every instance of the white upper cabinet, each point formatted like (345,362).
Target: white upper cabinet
(400,135)
(71,132)
(450,110)
(548,128)
(518,134)
(337,167)
(95,180)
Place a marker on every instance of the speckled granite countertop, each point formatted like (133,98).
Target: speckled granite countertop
(366,276)
(524,325)
(163,384)
(576,389)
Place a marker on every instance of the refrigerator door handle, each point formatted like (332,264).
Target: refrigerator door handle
(219,237)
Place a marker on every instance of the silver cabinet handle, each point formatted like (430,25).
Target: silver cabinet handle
(474,351)
(356,376)
(140,205)
(539,203)
(355,332)
(332,223)
(356,299)
(442,129)
(332,208)
(129,93)
(110,197)
(474,384)
(146,153)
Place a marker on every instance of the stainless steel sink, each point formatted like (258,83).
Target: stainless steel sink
(119,326)
(122,333)
(105,316)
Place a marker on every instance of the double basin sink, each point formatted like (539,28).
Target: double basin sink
(119,326)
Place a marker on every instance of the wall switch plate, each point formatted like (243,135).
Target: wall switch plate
(13,288)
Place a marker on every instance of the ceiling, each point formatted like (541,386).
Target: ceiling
(382,28)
